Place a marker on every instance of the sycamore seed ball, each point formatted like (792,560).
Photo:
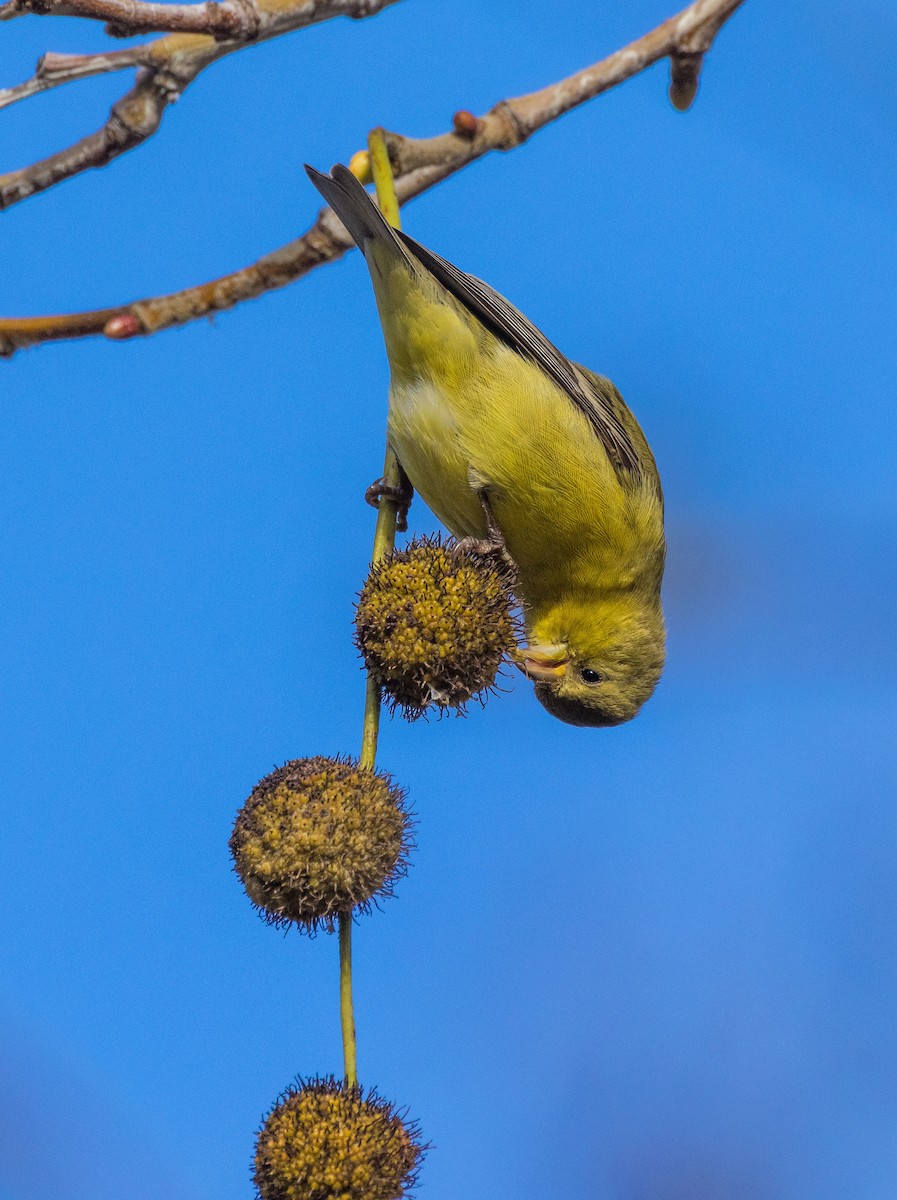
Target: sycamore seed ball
(319,837)
(325,1140)
(433,624)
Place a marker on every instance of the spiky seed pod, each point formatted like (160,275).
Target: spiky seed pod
(319,837)
(324,1140)
(433,623)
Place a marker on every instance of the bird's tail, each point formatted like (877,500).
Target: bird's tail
(354,207)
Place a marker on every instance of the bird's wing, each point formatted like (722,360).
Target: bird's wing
(596,398)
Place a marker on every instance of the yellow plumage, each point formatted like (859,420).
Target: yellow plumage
(482,407)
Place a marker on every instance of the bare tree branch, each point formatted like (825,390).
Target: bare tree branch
(419,165)
(240,20)
(169,64)
(237,19)
(511,122)
(132,120)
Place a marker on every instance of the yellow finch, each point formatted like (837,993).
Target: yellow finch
(504,437)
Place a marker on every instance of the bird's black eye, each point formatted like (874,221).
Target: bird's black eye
(590,676)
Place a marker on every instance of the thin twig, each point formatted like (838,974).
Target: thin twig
(419,164)
(55,69)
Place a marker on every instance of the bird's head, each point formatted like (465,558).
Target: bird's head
(595,664)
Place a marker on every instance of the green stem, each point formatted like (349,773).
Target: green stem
(346,1009)
(381,170)
(384,540)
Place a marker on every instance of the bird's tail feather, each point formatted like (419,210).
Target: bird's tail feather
(354,207)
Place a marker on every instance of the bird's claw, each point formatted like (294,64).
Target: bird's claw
(401,496)
(493,544)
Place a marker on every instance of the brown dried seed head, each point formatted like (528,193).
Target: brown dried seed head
(319,837)
(433,624)
(327,1141)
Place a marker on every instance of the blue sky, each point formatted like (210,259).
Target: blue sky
(650,963)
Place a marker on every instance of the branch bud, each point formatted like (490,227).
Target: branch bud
(685,69)
(123,325)
(465,123)
(360,166)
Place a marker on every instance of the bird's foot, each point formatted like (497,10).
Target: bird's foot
(493,544)
(401,496)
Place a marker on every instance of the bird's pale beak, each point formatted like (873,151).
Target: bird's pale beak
(543,663)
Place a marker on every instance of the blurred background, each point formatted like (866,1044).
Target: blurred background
(649,963)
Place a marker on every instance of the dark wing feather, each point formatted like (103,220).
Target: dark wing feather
(595,398)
